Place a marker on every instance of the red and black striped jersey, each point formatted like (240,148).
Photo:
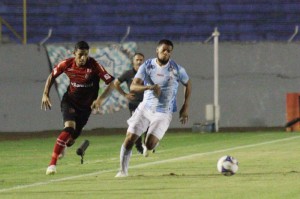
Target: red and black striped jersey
(84,81)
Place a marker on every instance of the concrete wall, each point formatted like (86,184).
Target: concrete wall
(254,80)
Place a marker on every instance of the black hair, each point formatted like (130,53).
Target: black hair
(165,41)
(82,45)
(138,53)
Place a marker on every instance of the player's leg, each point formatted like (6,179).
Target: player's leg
(139,145)
(144,141)
(69,143)
(60,145)
(125,153)
(136,124)
(158,126)
(69,114)
(81,118)
(151,143)
(138,142)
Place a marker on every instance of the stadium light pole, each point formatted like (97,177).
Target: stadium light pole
(216,35)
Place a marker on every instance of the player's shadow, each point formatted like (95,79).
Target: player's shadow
(270,173)
(218,174)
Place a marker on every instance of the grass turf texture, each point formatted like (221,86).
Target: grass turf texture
(184,166)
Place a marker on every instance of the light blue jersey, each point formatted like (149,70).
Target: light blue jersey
(168,78)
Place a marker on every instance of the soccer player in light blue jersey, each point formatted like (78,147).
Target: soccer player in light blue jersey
(159,79)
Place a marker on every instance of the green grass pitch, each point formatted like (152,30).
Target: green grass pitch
(184,166)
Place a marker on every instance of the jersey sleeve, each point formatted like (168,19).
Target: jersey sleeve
(103,74)
(183,76)
(123,77)
(59,69)
(141,73)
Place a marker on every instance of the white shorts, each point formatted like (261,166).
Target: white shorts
(157,122)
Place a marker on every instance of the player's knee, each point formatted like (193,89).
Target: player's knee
(73,136)
(78,131)
(76,134)
(130,140)
(70,142)
(70,130)
(150,146)
(151,142)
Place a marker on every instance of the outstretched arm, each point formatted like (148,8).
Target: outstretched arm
(98,102)
(183,114)
(46,103)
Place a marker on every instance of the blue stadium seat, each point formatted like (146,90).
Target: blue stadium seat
(150,20)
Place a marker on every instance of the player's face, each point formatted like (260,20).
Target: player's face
(81,57)
(137,61)
(164,53)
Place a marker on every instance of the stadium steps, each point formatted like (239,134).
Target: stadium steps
(191,21)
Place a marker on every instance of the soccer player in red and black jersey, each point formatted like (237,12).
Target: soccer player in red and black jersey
(80,98)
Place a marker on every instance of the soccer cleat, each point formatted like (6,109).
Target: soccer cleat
(51,170)
(121,174)
(139,148)
(145,151)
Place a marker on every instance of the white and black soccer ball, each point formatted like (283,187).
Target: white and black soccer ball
(227,165)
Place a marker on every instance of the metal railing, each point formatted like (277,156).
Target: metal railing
(23,39)
(9,27)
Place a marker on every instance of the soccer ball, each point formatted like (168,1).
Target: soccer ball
(227,165)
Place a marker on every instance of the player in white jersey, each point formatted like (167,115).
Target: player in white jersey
(159,79)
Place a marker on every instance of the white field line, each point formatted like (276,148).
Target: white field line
(147,164)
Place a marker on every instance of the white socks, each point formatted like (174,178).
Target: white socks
(124,158)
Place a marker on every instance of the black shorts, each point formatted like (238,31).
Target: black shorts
(71,113)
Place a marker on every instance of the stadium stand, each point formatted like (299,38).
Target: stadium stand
(99,20)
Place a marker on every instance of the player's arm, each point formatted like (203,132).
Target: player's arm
(138,87)
(57,70)
(117,85)
(46,103)
(108,79)
(98,102)
(183,114)
(106,92)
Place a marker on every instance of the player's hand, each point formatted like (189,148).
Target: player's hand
(96,104)
(184,119)
(156,89)
(183,115)
(130,96)
(46,103)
